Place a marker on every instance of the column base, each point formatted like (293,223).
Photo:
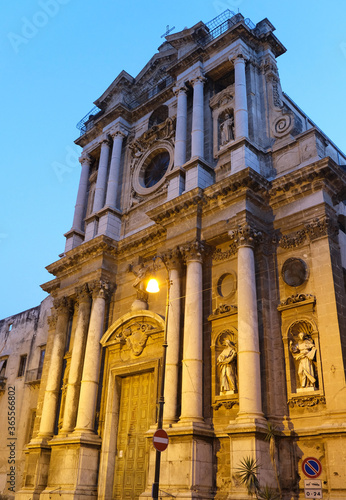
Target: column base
(74,238)
(36,469)
(176,183)
(109,222)
(73,467)
(247,439)
(192,444)
(198,174)
(91,225)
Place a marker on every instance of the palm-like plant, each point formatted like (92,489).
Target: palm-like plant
(270,436)
(267,493)
(247,474)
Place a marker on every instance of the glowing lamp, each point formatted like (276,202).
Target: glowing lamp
(152,286)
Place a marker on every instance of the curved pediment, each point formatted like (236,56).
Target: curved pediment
(133,329)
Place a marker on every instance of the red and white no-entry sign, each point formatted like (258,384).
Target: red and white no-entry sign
(160,440)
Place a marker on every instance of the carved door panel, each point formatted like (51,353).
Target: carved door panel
(137,412)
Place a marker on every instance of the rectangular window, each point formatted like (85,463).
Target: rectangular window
(40,364)
(3,364)
(22,365)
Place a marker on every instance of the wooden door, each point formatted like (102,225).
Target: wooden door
(137,413)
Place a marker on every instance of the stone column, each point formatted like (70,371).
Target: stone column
(73,384)
(192,377)
(113,179)
(50,402)
(91,369)
(79,210)
(240,107)
(101,181)
(197,134)
(181,127)
(172,261)
(249,373)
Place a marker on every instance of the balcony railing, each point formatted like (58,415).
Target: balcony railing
(33,376)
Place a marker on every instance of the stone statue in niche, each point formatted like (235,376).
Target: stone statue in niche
(227,130)
(304,352)
(227,363)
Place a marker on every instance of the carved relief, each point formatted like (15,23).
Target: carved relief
(245,235)
(224,309)
(317,228)
(306,401)
(297,298)
(136,336)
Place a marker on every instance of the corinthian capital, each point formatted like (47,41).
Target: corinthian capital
(239,52)
(245,236)
(85,159)
(63,305)
(118,131)
(100,289)
(195,250)
(83,293)
(179,88)
(172,259)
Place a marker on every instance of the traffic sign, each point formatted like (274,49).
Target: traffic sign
(311,467)
(160,440)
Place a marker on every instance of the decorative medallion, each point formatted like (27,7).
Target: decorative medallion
(294,272)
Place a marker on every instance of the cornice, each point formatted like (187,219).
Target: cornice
(86,251)
(140,240)
(246,179)
(304,180)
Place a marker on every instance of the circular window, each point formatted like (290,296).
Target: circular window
(156,169)
(294,272)
(226,285)
(151,170)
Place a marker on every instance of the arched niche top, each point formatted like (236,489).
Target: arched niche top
(149,322)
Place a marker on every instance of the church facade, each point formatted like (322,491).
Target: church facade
(202,171)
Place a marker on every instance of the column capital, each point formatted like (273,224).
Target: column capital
(63,305)
(172,259)
(85,158)
(245,236)
(196,79)
(100,289)
(83,293)
(194,251)
(118,131)
(104,139)
(238,53)
(180,88)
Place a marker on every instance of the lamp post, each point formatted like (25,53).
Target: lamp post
(153,287)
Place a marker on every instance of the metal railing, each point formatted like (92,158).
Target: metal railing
(33,376)
(216,27)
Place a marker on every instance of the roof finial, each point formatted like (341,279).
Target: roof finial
(168,30)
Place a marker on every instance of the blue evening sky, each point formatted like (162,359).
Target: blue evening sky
(58,56)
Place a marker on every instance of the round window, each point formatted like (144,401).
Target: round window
(156,169)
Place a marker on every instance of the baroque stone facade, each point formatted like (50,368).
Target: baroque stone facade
(202,171)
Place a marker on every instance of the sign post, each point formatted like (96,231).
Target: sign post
(312,468)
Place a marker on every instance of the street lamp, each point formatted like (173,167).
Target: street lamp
(153,287)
